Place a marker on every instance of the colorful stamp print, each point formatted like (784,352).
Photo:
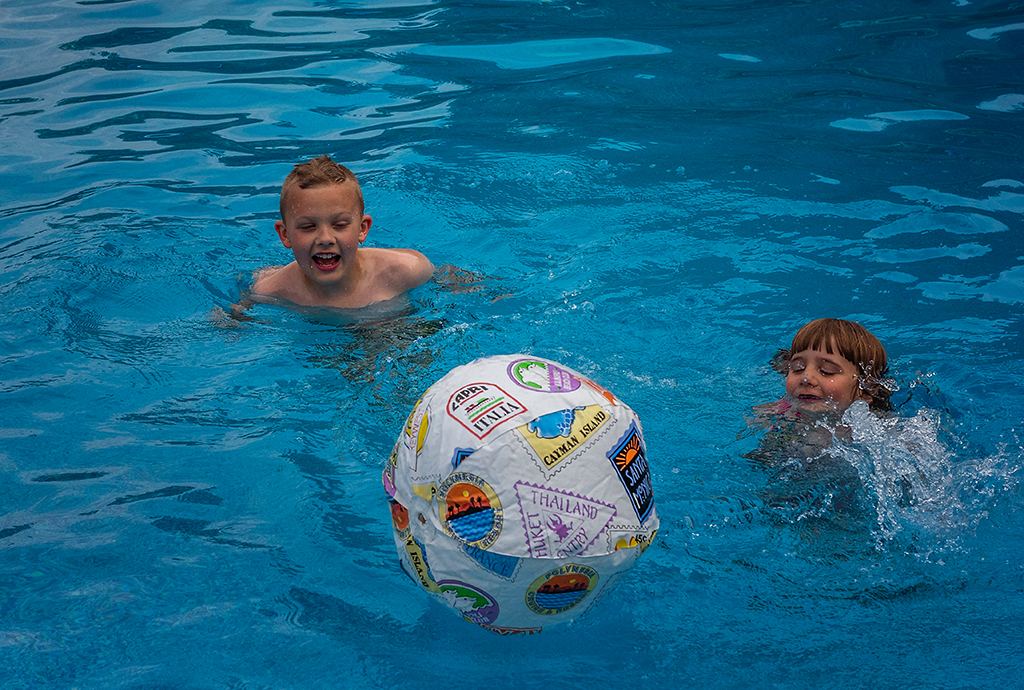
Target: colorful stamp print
(475,605)
(542,376)
(425,491)
(497,563)
(629,459)
(625,538)
(416,430)
(459,455)
(483,407)
(388,476)
(560,524)
(399,515)
(553,437)
(418,560)
(606,394)
(469,509)
(512,631)
(561,589)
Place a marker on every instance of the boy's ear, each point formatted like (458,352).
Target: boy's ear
(364,228)
(282,232)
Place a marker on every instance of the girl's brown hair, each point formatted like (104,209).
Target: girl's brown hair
(853,342)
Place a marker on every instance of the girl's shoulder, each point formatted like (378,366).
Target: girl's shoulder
(769,415)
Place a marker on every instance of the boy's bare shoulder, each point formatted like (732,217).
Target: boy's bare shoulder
(383,274)
(270,280)
(286,282)
(401,269)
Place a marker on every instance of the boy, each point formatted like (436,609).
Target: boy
(323,223)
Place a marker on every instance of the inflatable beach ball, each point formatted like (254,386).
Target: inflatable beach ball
(520,492)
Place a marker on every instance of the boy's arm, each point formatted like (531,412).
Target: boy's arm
(235,317)
(268,281)
(456,279)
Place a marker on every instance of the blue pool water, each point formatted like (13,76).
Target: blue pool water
(658,193)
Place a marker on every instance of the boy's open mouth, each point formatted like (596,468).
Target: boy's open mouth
(326,262)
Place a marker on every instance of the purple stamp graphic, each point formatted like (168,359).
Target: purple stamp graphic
(541,376)
(560,524)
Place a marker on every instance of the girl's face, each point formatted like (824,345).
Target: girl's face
(822,382)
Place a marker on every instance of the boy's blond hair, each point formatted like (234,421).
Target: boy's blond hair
(853,342)
(319,172)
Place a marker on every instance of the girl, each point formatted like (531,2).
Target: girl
(831,364)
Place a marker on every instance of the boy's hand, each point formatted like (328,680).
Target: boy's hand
(235,319)
(458,280)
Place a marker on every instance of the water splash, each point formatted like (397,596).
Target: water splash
(904,481)
(922,496)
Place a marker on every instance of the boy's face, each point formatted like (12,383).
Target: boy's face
(820,382)
(323,226)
